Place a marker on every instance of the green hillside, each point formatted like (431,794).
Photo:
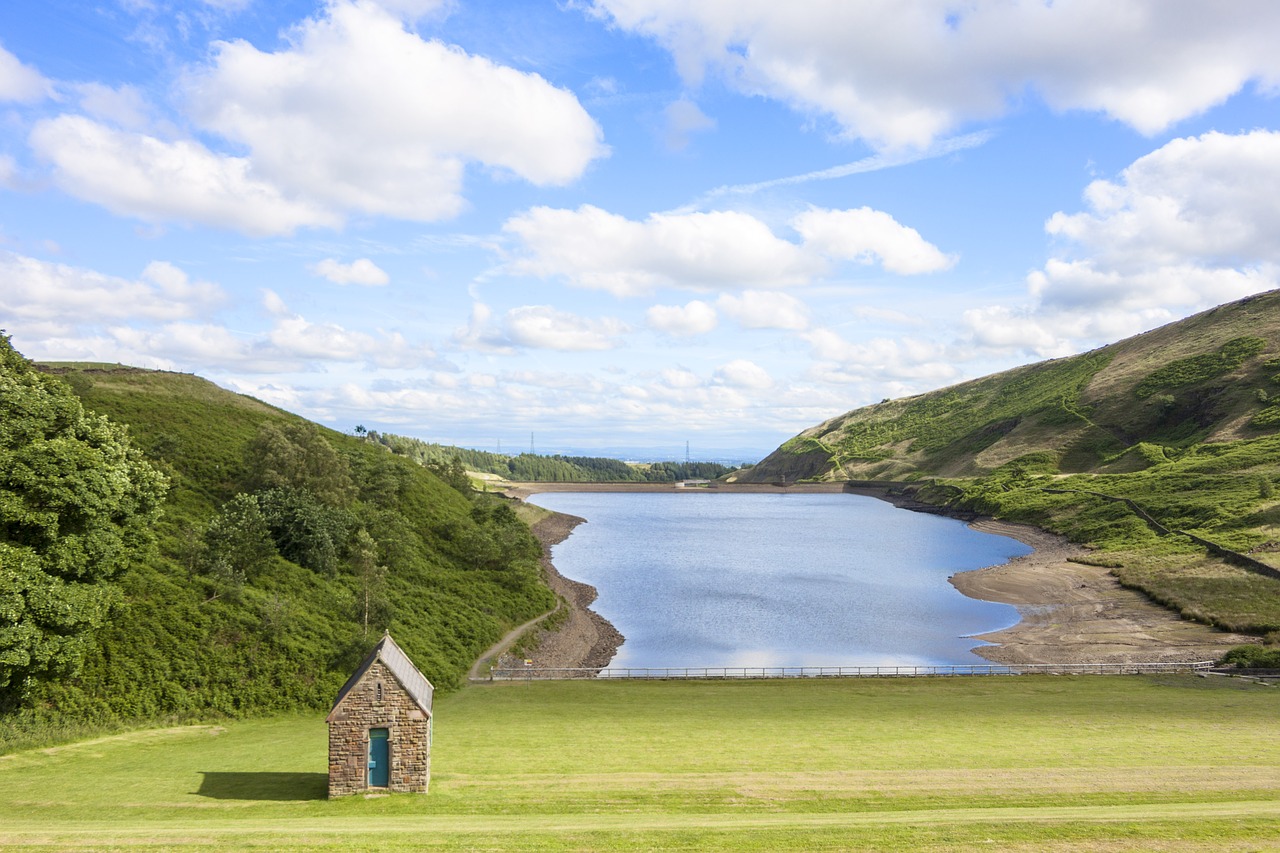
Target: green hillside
(1184,421)
(281,552)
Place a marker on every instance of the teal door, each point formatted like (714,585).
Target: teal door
(379,759)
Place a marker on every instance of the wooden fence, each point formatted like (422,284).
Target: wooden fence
(531,673)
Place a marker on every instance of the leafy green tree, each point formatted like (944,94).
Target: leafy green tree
(375,608)
(297,456)
(304,529)
(236,546)
(77,503)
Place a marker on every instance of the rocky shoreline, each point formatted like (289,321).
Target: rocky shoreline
(1070,612)
(584,638)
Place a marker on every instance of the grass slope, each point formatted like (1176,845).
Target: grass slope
(1025,763)
(1184,420)
(182,644)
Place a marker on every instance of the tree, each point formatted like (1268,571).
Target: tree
(77,502)
(296,456)
(236,545)
(374,605)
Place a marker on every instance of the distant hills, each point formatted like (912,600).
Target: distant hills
(1184,421)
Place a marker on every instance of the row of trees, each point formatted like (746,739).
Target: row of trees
(556,468)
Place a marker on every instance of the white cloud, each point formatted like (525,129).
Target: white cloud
(866,236)
(124,107)
(693,318)
(1211,199)
(741,373)
(1188,226)
(139,175)
(544,327)
(39,290)
(594,248)
(360,114)
(597,249)
(481,333)
(356,115)
(21,83)
(362,271)
(901,75)
(759,309)
(879,359)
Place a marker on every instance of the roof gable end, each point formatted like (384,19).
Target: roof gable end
(414,683)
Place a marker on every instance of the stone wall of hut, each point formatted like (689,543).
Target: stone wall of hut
(378,702)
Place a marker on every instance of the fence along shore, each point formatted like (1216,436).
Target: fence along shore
(719,672)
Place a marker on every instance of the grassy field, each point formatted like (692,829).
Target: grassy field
(1034,763)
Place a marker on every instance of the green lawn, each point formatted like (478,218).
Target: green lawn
(1034,763)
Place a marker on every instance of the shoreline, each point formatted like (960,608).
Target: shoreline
(1069,612)
(584,639)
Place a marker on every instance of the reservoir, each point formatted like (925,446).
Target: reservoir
(712,579)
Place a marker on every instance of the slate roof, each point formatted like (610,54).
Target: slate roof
(394,658)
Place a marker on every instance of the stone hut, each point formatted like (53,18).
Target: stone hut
(380,726)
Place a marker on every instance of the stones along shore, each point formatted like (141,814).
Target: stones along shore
(583,638)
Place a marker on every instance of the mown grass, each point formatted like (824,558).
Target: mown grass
(1172,762)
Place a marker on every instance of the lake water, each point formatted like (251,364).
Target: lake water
(707,579)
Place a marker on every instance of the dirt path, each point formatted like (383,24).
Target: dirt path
(474,674)
(583,638)
(1074,613)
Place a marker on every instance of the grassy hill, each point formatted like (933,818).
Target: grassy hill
(284,549)
(1183,421)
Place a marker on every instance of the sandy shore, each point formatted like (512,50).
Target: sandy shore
(1070,612)
(1075,613)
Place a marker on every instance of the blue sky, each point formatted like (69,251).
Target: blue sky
(623,225)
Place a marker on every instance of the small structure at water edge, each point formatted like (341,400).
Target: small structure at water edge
(380,726)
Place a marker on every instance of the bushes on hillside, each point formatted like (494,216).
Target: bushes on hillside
(77,502)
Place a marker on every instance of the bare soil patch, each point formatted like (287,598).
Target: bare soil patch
(1076,613)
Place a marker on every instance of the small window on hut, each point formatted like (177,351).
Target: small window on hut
(378,691)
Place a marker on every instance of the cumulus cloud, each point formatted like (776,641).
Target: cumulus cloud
(594,248)
(124,106)
(759,309)
(134,174)
(741,373)
(867,236)
(544,327)
(1186,227)
(19,82)
(357,115)
(880,359)
(360,114)
(362,271)
(901,75)
(597,249)
(37,290)
(1211,199)
(693,318)
(537,327)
